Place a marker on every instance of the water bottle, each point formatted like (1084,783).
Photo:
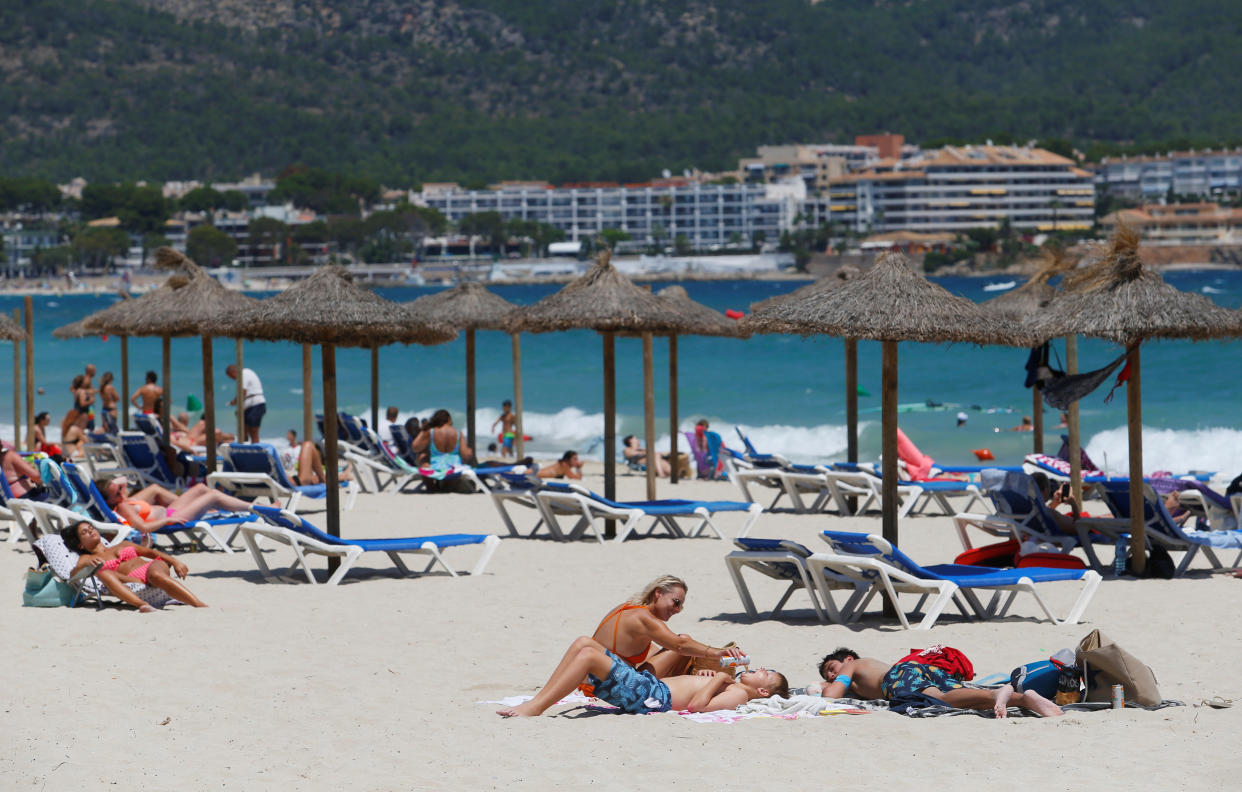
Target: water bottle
(730,662)
(1119,555)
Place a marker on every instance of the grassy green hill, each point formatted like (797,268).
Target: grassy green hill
(422,90)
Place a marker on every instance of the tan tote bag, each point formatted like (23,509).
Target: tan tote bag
(1105,664)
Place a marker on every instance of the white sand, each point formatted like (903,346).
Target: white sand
(374,684)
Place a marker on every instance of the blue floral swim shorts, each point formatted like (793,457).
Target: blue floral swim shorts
(633,691)
(904,679)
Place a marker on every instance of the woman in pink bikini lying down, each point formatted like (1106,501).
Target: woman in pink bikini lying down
(128,563)
(154,507)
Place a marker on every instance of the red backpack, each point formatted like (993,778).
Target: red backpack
(945,657)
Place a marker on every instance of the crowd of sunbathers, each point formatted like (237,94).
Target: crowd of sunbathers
(616,665)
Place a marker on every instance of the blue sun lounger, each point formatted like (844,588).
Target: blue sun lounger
(1163,530)
(286,527)
(253,470)
(872,560)
(785,561)
(559,499)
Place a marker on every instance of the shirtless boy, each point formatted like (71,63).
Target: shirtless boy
(867,678)
(640,692)
(144,398)
(508,428)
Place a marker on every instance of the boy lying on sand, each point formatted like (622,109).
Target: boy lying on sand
(639,691)
(867,678)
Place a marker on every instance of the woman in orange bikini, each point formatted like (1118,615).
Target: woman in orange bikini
(154,507)
(128,563)
(630,629)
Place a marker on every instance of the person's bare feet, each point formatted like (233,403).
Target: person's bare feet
(1040,705)
(1001,708)
(520,711)
(145,608)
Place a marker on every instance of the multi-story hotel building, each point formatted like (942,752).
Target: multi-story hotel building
(706,214)
(960,187)
(1180,172)
(1180,224)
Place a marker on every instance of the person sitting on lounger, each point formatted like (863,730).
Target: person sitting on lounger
(442,443)
(847,674)
(617,683)
(189,437)
(154,507)
(568,466)
(1055,498)
(635,453)
(630,629)
(126,563)
(21,475)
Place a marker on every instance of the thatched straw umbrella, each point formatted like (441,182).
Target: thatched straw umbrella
(330,310)
(828,283)
(183,305)
(469,307)
(79,329)
(1020,304)
(10,330)
(889,303)
(606,301)
(1118,299)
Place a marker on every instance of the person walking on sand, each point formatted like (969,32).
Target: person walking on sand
(253,401)
(508,428)
(144,398)
(844,672)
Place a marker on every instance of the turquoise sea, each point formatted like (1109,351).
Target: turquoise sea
(786,391)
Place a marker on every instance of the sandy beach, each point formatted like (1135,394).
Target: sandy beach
(377,683)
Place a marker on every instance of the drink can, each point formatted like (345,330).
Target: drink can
(1119,696)
(729,662)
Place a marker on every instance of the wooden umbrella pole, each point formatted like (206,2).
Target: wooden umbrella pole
(308,401)
(673,419)
(1037,419)
(330,448)
(851,399)
(125,393)
(241,395)
(889,446)
(1075,439)
(470,428)
(610,431)
(30,389)
(375,390)
(519,444)
(166,401)
(649,416)
(17,386)
(209,404)
(1134,414)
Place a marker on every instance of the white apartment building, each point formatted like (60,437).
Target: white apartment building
(1180,224)
(957,188)
(1202,173)
(708,215)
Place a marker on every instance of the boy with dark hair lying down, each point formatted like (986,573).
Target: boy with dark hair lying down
(640,692)
(867,678)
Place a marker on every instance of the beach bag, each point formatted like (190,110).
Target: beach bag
(1105,664)
(946,657)
(998,555)
(1159,564)
(43,590)
(1041,676)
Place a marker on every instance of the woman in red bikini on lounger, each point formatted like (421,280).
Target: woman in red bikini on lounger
(154,507)
(128,563)
(630,629)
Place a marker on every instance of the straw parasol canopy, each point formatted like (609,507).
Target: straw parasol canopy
(1119,299)
(891,302)
(828,282)
(704,320)
(330,310)
(469,307)
(606,301)
(10,330)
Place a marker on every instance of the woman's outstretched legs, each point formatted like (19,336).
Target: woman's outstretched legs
(116,584)
(200,499)
(584,656)
(160,576)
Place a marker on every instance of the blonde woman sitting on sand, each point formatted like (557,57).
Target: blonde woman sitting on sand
(630,629)
(128,563)
(154,507)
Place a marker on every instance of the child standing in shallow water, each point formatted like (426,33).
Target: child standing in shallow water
(508,428)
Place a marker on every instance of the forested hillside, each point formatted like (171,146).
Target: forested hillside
(406,91)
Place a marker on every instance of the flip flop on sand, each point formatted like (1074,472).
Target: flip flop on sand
(1217,702)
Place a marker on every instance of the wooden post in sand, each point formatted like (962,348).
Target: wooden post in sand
(1134,422)
(30,389)
(375,389)
(1075,438)
(17,386)
(519,444)
(166,400)
(308,402)
(123,405)
(673,422)
(241,399)
(649,416)
(1037,418)
(470,405)
(209,404)
(889,451)
(330,449)
(610,430)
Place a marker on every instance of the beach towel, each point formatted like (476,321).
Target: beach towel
(793,708)
(918,464)
(709,463)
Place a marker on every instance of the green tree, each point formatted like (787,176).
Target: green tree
(95,248)
(487,225)
(265,237)
(681,245)
(201,199)
(52,260)
(324,191)
(210,247)
(612,236)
